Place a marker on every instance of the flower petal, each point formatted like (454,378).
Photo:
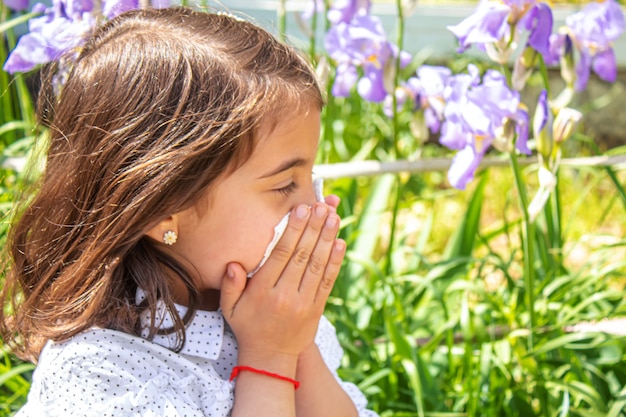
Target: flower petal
(17,5)
(345,79)
(605,65)
(583,69)
(463,167)
(371,86)
(540,23)
(487,24)
(32,49)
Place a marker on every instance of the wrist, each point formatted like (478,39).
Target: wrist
(310,358)
(277,377)
(274,362)
(311,352)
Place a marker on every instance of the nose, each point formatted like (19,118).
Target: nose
(313,192)
(308,196)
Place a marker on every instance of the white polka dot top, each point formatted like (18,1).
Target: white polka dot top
(103,372)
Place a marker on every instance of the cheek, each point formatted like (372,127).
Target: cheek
(243,238)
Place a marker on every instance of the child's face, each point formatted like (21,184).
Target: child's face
(242,209)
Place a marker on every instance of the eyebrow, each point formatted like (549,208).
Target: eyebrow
(291,163)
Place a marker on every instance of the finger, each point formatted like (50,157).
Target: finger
(333,201)
(318,263)
(233,284)
(271,272)
(299,262)
(331,273)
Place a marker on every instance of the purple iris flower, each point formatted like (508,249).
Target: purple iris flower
(347,76)
(362,43)
(521,128)
(491,22)
(111,8)
(426,90)
(62,27)
(49,37)
(539,21)
(594,29)
(345,10)
(542,126)
(475,113)
(17,5)
(542,110)
(487,24)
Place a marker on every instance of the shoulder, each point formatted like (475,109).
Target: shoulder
(105,372)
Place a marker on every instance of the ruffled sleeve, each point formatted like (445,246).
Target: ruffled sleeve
(107,373)
(331,351)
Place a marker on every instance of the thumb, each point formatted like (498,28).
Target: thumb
(233,284)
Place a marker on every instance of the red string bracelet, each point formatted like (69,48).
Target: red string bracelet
(238,369)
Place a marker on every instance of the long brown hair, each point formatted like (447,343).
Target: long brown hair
(158,104)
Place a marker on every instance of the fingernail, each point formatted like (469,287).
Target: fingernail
(229,271)
(331,221)
(320,210)
(340,245)
(302,211)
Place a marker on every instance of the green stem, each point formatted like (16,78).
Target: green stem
(556,238)
(312,39)
(396,129)
(330,110)
(7,106)
(396,77)
(507,73)
(528,234)
(23,97)
(543,70)
(394,222)
(282,19)
(449,336)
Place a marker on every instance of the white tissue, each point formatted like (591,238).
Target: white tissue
(278,232)
(279,229)
(318,188)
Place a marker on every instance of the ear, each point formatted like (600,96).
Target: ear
(157,232)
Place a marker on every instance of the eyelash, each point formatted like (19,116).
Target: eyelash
(287,189)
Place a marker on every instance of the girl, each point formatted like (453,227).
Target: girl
(176,144)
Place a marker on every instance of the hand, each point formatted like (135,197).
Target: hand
(277,312)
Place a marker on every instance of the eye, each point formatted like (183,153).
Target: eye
(288,189)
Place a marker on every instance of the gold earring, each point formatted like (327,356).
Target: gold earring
(170,237)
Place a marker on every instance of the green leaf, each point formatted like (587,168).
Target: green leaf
(618,407)
(462,242)
(10,24)
(370,223)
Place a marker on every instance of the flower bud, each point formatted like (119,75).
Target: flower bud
(565,124)
(528,57)
(542,126)
(499,51)
(505,136)
(523,68)
(389,75)
(568,67)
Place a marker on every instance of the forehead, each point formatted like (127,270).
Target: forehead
(294,133)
